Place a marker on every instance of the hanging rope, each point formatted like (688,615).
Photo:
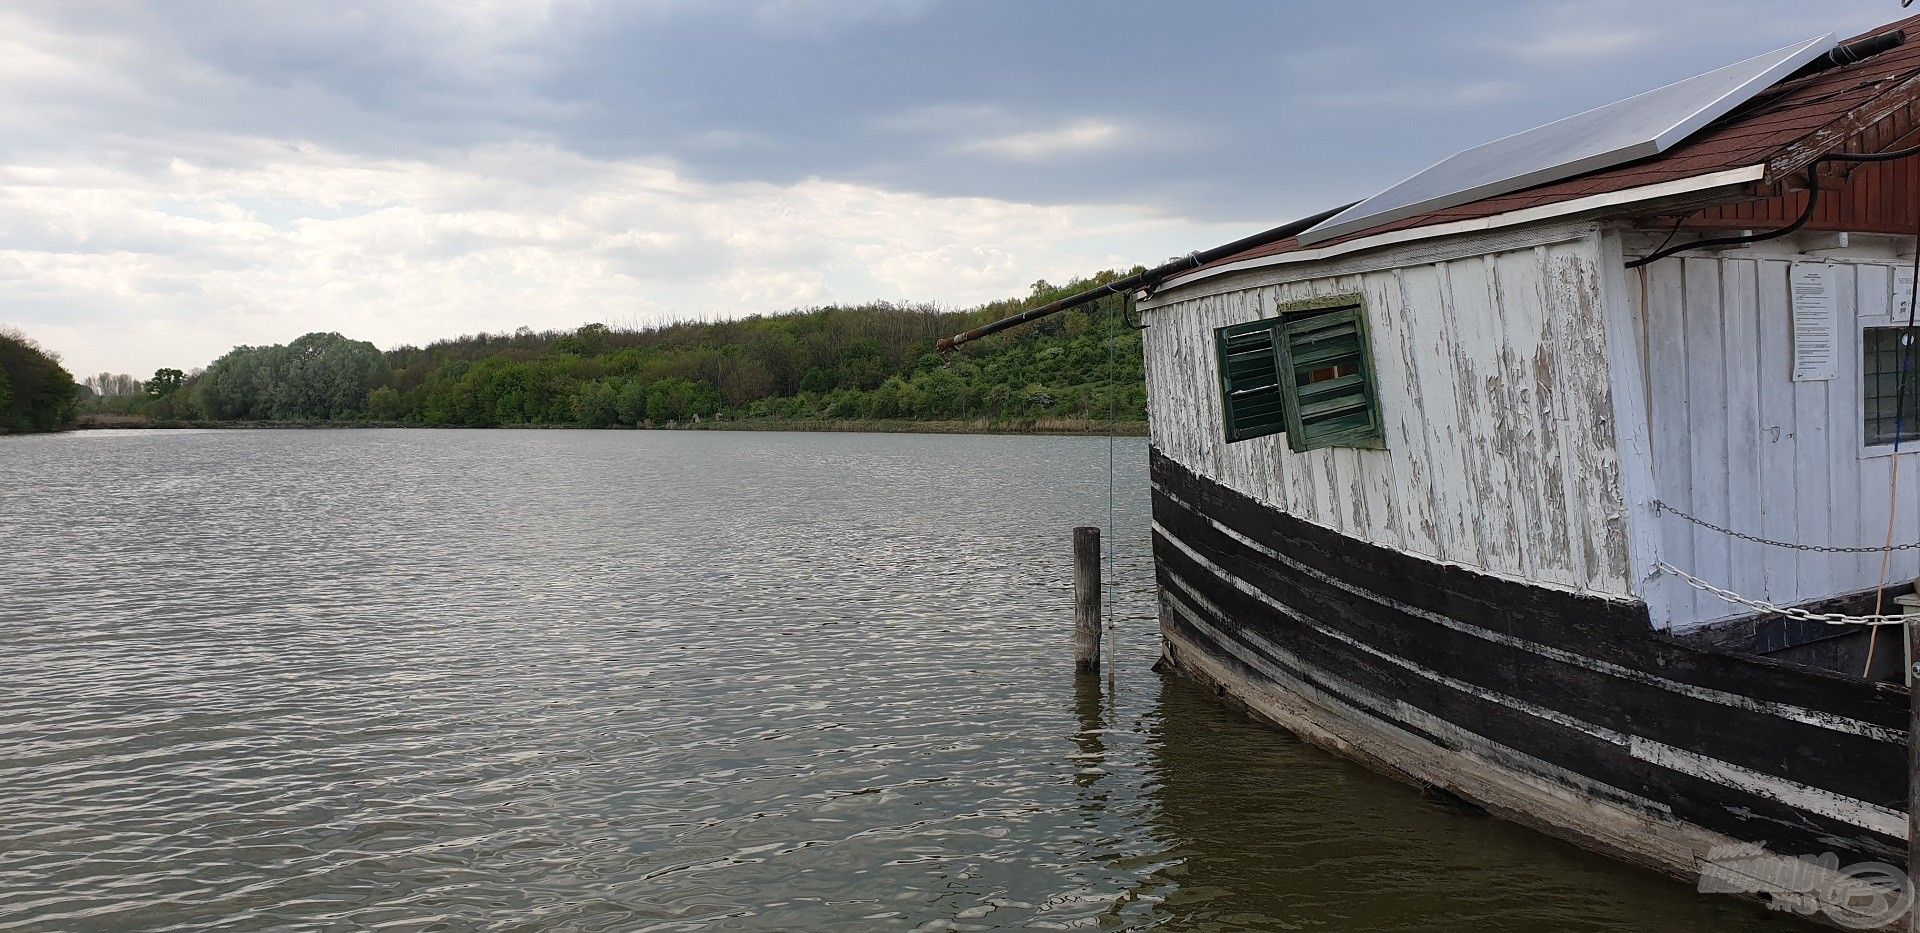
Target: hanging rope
(1113,410)
(1899,428)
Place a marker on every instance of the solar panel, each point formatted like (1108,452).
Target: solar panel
(1620,132)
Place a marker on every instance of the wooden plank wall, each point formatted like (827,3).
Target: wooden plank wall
(1493,376)
(1738,443)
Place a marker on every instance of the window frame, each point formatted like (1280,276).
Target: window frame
(1294,316)
(1869,449)
(1220,337)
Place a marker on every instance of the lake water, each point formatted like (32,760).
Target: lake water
(526,680)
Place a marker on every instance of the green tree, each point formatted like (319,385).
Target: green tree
(319,376)
(939,394)
(817,380)
(631,403)
(165,382)
(384,404)
(997,400)
(40,393)
(681,400)
(868,361)
(597,404)
(589,340)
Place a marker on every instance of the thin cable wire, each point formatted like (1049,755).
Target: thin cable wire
(1677,224)
(1813,201)
(1113,543)
(1899,417)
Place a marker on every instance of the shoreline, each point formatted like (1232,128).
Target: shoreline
(1078,427)
(1075,427)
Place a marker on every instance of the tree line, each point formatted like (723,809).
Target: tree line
(873,361)
(36,392)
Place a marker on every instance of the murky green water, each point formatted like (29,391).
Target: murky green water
(526,680)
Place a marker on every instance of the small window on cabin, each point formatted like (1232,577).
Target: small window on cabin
(1307,373)
(1326,371)
(1888,419)
(1250,380)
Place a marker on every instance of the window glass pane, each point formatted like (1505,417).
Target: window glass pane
(1883,353)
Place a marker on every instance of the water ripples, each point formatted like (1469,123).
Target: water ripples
(445,680)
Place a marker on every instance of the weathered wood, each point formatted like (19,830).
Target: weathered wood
(1666,364)
(1835,134)
(1573,300)
(1497,378)
(1845,467)
(1737,442)
(1483,411)
(1086,600)
(1432,354)
(1740,347)
(1625,336)
(1496,779)
(1779,510)
(1913,770)
(1706,430)
(1492,378)
(1566,691)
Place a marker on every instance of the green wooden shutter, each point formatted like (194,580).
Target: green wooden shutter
(1250,380)
(1327,379)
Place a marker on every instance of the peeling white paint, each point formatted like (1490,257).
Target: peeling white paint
(1494,386)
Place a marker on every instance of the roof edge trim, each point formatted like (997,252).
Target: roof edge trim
(1528,215)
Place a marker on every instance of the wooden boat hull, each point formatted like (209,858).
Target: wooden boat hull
(1562,711)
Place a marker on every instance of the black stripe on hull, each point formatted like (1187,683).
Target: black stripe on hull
(1578,688)
(1607,630)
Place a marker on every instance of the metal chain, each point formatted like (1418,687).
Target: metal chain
(1659,506)
(1830,618)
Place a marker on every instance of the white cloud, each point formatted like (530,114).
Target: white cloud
(1076,138)
(977,129)
(257,240)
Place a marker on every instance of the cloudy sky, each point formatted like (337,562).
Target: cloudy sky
(179,178)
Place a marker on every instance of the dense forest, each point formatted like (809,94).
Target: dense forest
(36,392)
(873,362)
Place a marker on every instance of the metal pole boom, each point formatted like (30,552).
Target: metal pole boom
(1147,279)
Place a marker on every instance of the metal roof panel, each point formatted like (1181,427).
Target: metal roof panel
(1624,131)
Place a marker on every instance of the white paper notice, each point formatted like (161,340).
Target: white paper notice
(1902,302)
(1813,313)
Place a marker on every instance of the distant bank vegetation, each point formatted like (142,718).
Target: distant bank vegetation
(36,392)
(873,362)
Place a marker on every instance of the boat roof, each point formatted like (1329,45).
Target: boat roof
(1782,130)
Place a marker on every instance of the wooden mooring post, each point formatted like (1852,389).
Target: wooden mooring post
(1086,600)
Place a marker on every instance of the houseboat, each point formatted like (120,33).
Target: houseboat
(1575,477)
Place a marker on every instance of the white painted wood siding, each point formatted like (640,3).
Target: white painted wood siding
(1738,443)
(1494,383)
